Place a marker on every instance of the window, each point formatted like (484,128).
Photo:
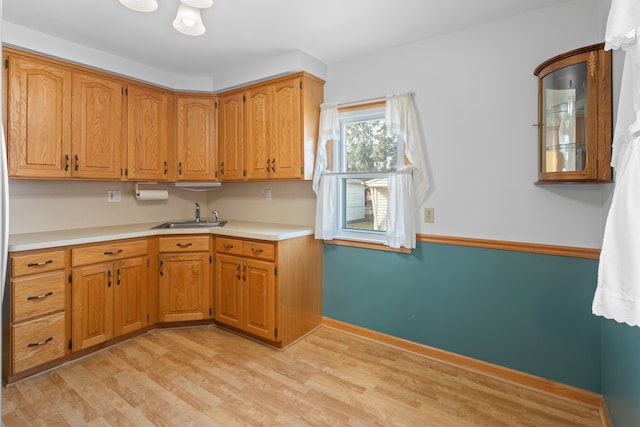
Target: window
(364,156)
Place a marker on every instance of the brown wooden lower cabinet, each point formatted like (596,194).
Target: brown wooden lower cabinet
(73,299)
(184,284)
(270,290)
(109,298)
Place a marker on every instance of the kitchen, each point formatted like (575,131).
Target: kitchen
(466,84)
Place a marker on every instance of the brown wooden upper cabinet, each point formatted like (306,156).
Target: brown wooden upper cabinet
(574,116)
(66,121)
(62,123)
(38,118)
(196,137)
(148,113)
(272,134)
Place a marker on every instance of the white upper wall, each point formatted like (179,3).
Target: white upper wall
(476,98)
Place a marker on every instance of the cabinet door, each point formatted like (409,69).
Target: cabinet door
(184,286)
(258,133)
(92,305)
(130,295)
(286,139)
(231,137)
(38,119)
(196,138)
(259,298)
(148,131)
(229,290)
(97,127)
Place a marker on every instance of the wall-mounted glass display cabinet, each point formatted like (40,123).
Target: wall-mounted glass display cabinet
(574,116)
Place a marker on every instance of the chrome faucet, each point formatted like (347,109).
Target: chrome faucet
(215,213)
(197,212)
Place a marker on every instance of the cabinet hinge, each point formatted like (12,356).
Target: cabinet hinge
(210,311)
(275,271)
(300,84)
(244,172)
(70,278)
(70,344)
(148,264)
(275,332)
(215,105)
(216,174)
(210,259)
(148,319)
(244,98)
(6,63)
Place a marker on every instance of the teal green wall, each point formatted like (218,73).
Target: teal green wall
(525,311)
(621,372)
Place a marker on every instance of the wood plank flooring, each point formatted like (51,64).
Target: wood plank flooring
(205,376)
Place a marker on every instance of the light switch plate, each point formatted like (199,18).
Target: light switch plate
(429,215)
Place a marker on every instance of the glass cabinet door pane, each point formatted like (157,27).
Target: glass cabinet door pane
(564,103)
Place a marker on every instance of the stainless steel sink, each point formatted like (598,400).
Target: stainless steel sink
(204,223)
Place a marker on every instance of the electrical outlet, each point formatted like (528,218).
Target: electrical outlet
(429,215)
(267,194)
(113,196)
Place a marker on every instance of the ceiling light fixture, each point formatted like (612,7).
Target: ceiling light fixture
(188,20)
(140,5)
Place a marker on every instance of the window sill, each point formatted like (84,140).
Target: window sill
(366,245)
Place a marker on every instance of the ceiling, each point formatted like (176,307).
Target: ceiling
(243,32)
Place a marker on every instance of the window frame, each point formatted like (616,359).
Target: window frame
(350,114)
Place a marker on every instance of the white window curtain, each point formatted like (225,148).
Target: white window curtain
(408,186)
(326,186)
(618,292)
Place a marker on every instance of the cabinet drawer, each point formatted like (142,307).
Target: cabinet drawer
(259,250)
(109,251)
(38,341)
(37,295)
(34,263)
(229,246)
(184,244)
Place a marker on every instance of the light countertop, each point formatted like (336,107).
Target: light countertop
(243,229)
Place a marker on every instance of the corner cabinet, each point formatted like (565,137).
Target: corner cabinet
(184,285)
(272,134)
(269,290)
(574,116)
(196,137)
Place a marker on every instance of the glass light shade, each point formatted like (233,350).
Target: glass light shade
(188,21)
(140,5)
(200,4)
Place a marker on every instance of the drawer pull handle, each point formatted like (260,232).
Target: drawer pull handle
(37,344)
(39,264)
(183,245)
(227,246)
(48,294)
(119,251)
(256,250)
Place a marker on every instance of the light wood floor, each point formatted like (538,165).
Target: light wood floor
(204,376)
